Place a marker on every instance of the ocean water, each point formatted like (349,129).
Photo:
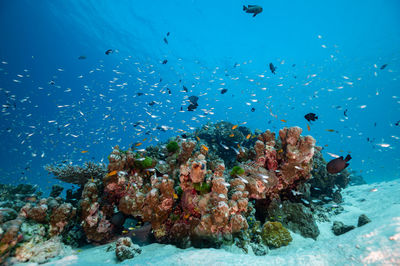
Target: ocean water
(339,60)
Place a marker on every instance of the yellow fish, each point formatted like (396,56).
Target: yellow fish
(138,144)
(131,228)
(231,135)
(84,151)
(125,231)
(112,173)
(248,136)
(144,139)
(204,147)
(283,120)
(197,138)
(186,216)
(175,196)
(330,130)
(234,127)
(281,150)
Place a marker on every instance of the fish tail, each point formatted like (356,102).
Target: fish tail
(348,158)
(244,8)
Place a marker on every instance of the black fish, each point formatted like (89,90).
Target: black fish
(165,61)
(152,103)
(193,103)
(169,91)
(253,109)
(397,123)
(165,40)
(337,165)
(139,93)
(109,51)
(185,89)
(223,91)
(311,117)
(118,219)
(184,136)
(82,57)
(167,33)
(383,66)
(345,113)
(272,68)
(192,107)
(254,9)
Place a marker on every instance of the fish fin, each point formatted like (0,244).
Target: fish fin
(255,14)
(348,158)
(244,8)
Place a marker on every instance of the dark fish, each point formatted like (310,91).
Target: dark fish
(167,33)
(397,123)
(272,68)
(223,91)
(193,103)
(82,57)
(52,82)
(311,117)
(383,66)
(185,89)
(184,136)
(139,93)
(152,103)
(165,40)
(192,107)
(109,51)
(235,65)
(118,219)
(160,79)
(253,109)
(169,91)
(254,9)
(337,165)
(293,65)
(165,61)
(345,113)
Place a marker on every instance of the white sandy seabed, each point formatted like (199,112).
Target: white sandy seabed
(376,243)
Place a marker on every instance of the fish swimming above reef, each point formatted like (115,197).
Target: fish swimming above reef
(165,61)
(223,91)
(109,51)
(383,66)
(337,165)
(311,117)
(254,9)
(82,57)
(193,103)
(272,68)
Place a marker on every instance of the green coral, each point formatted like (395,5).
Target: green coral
(172,146)
(143,164)
(275,235)
(202,188)
(237,170)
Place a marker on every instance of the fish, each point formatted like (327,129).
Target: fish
(253,109)
(185,89)
(248,136)
(224,146)
(82,57)
(84,151)
(204,147)
(272,68)
(167,33)
(253,9)
(311,117)
(383,66)
(197,138)
(308,127)
(109,51)
(232,135)
(330,130)
(112,173)
(175,196)
(165,40)
(397,123)
(337,165)
(345,113)
(138,144)
(223,91)
(165,61)
(283,120)
(234,127)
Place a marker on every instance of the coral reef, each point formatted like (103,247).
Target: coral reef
(275,235)
(9,237)
(76,174)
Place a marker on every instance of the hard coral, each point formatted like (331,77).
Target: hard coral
(76,174)
(275,235)
(172,146)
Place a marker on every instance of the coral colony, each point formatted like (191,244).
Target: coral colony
(221,185)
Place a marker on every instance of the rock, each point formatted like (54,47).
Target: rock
(7,214)
(362,220)
(125,249)
(340,228)
(259,249)
(40,250)
(275,235)
(294,216)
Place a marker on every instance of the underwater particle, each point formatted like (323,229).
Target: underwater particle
(109,51)
(237,170)
(165,61)
(82,57)
(172,146)
(383,66)
(275,235)
(223,91)
(337,165)
(272,68)
(311,117)
(253,9)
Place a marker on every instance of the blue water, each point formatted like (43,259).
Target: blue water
(328,57)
